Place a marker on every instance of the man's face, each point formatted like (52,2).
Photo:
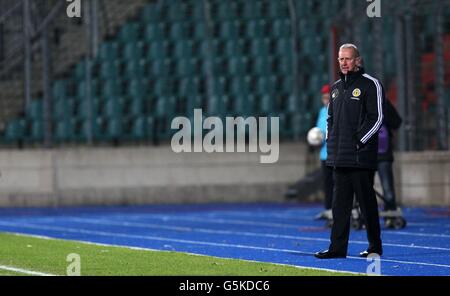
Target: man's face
(347,60)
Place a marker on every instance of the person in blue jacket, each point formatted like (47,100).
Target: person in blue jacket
(327,172)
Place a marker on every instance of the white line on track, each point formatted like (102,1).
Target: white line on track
(205,243)
(228,232)
(267,224)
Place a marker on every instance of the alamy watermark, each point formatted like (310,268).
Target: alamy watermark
(74,267)
(374,267)
(374,8)
(258,131)
(74,8)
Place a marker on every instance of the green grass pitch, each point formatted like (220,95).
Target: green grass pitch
(49,256)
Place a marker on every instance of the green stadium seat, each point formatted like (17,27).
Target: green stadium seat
(139,129)
(194,102)
(136,69)
(110,70)
(219,85)
(253,9)
(35,109)
(184,49)
(15,130)
(114,107)
(286,83)
(82,108)
(108,51)
(178,31)
(81,88)
(83,127)
(244,105)
(65,130)
(263,66)
(133,51)
(60,89)
(161,68)
(278,9)
(114,128)
(137,88)
(189,87)
(186,67)
(179,11)
(281,28)
(217,105)
(266,85)
(219,65)
(256,29)
(310,45)
(63,108)
(283,47)
(238,66)
(261,47)
(216,48)
(236,47)
(305,27)
(158,51)
(292,105)
(111,88)
(155,32)
(283,65)
(229,30)
(200,31)
(267,104)
(137,106)
(163,87)
(165,106)
(36,132)
(241,86)
(226,10)
(151,13)
(129,32)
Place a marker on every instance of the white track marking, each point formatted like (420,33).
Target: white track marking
(268,224)
(244,222)
(206,243)
(228,232)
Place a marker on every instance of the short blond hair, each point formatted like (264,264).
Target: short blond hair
(352,46)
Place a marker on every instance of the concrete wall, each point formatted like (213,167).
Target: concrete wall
(75,176)
(144,175)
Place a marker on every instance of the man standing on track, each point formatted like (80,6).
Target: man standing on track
(355,115)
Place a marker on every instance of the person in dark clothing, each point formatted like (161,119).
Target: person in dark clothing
(392,121)
(355,115)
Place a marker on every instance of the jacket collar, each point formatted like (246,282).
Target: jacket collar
(351,76)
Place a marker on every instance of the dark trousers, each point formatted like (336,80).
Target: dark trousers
(387,183)
(328,184)
(350,182)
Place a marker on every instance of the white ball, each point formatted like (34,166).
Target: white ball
(315,137)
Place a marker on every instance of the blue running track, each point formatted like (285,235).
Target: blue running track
(269,232)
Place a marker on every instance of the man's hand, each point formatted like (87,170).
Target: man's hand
(359,145)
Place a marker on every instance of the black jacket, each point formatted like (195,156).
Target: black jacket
(355,114)
(392,121)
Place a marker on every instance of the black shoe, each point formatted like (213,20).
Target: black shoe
(329,255)
(366,253)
